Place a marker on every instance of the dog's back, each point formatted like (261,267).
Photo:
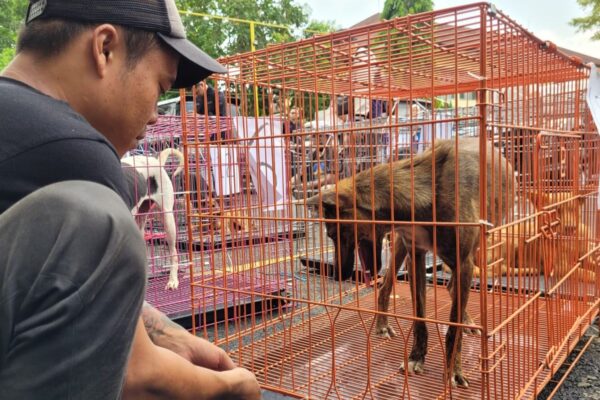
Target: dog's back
(442,182)
(434,178)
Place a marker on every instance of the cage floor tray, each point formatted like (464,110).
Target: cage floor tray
(176,304)
(336,355)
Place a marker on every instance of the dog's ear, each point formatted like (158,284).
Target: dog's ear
(326,198)
(330,200)
(311,201)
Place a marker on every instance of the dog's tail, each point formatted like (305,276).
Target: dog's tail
(168,152)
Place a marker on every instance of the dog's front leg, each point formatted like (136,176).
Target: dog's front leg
(173,282)
(467,320)
(416,273)
(382,327)
(460,296)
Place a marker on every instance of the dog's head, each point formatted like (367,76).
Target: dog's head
(336,206)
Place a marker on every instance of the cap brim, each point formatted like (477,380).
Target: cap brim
(194,65)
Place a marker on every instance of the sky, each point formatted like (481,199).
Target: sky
(546,19)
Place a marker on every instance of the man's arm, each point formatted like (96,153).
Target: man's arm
(156,373)
(167,334)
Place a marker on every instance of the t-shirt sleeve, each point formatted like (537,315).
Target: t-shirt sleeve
(70,159)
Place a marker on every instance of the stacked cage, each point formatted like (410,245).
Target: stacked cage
(153,171)
(370,232)
(176,196)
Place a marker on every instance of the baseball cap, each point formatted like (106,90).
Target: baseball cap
(160,16)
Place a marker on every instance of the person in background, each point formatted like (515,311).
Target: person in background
(417,130)
(209,101)
(293,121)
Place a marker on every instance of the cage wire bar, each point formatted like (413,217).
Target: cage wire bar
(320,119)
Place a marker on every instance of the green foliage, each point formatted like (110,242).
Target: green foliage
(591,22)
(12,13)
(6,54)
(210,33)
(400,8)
(315,26)
(219,37)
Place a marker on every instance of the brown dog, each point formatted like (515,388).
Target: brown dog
(390,186)
(503,247)
(574,235)
(523,248)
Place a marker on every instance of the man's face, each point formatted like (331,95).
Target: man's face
(138,89)
(200,89)
(294,115)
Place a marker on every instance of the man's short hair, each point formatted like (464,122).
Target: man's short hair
(49,37)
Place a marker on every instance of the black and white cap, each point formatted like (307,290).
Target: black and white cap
(160,16)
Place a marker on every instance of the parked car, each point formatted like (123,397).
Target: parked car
(173,106)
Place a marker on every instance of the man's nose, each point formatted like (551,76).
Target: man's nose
(153,117)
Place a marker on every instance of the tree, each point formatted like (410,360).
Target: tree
(400,8)
(592,21)
(219,37)
(315,26)
(12,13)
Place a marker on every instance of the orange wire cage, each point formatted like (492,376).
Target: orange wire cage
(453,137)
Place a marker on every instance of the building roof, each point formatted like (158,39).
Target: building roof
(584,57)
(368,21)
(570,53)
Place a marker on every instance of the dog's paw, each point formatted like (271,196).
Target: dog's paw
(457,379)
(173,284)
(467,320)
(414,366)
(472,331)
(385,332)
(383,329)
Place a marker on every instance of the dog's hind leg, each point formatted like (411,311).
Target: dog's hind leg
(417,280)
(382,327)
(460,297)
(168,221)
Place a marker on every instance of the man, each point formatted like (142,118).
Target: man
(78,95)
(207,101)
(294,121)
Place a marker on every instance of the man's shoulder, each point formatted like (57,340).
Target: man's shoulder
(29,119)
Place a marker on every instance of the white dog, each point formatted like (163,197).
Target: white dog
(153,187)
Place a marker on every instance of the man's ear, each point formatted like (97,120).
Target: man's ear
(105,42)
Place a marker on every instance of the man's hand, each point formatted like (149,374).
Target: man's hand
(154,372)
(165,333)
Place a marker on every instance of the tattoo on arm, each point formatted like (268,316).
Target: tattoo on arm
(156,323)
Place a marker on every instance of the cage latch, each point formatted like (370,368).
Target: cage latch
(563,162)
(551,221)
